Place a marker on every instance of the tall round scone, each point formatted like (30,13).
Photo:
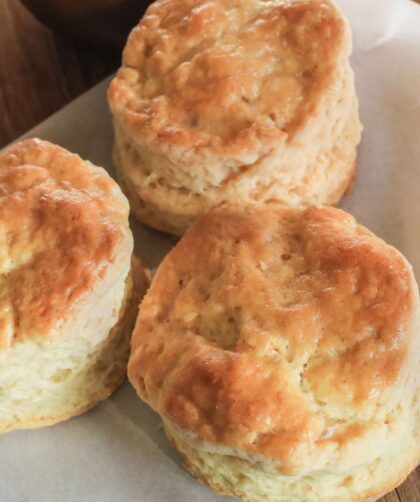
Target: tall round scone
(281,349)
(68,291)
(218,100)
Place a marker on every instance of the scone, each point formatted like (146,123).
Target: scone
(219,100)
(281,349)
(68,291)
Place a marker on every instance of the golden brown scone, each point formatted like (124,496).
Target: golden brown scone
(219,100)
(281,349)
(68,291)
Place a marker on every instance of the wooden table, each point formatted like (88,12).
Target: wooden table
(39,73)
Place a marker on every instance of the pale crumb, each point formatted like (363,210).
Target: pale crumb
(190,316)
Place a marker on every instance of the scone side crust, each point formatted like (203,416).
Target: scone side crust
(228,75)
(136,285)
(63,220)
(209,477)
(173,210)
(242,348)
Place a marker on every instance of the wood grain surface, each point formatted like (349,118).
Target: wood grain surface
(40,72)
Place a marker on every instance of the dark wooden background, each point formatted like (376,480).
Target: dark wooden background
(40,72)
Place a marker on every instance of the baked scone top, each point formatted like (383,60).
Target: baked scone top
(62,221)
(278,333)
(227,73)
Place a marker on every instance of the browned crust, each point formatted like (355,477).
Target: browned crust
(175,88)
(219,340)
(66,222)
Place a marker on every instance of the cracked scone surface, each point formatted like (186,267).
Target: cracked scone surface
(67,287)
(209,72)
(280,346)
(215,94)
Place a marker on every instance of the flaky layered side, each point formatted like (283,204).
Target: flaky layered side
(174,209)
(67,288)
(218,100)
(281,348)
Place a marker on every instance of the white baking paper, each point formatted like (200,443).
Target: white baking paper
(118,452)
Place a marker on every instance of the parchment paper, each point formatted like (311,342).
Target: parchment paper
(117,452)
